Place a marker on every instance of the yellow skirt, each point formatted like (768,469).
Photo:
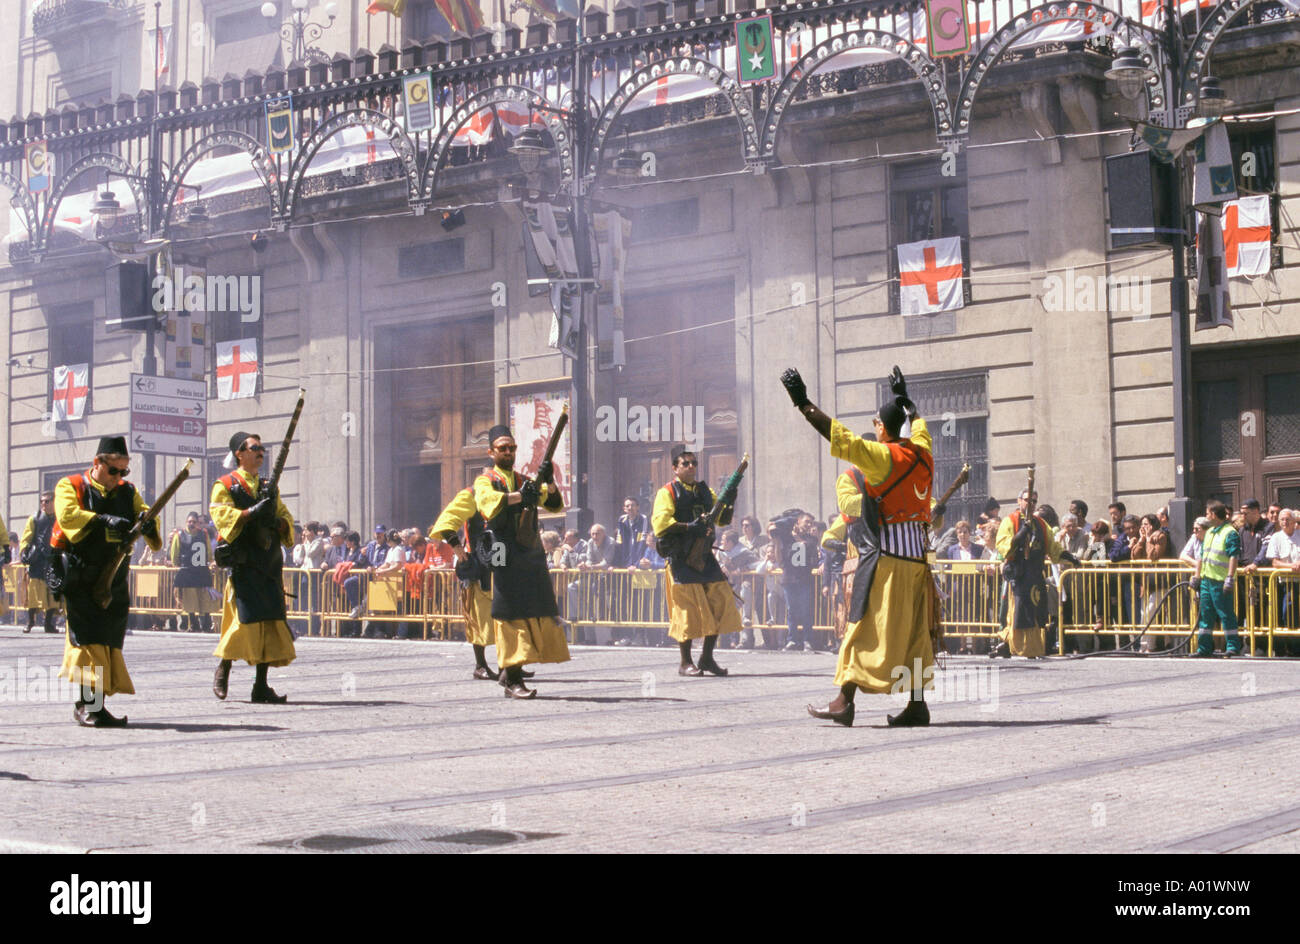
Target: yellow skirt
(197,600)
(267,641)
(1030,643)
(96,665)
(697,610)
(38,596)
(884,651)
(476,604)
(530,641)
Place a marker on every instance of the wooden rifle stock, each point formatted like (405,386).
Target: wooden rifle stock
(526,533)
(103,592)
(695,557)
(962,477)
(267,535)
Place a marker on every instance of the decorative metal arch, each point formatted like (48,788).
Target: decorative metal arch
(1211,28)
(207,144)
(497,95)
(676,66)
(103,159)
(357,117)
(22,201)
(920,62)
(1145,38)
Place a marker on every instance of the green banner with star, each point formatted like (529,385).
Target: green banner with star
(754,51)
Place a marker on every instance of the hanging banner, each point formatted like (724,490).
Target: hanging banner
(40,166)
(531,418)
(279,124)
(1215,182)
(417,101)
(946,27)
(754,39)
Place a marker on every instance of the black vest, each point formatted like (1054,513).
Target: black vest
(689,502)
(255,574)
(95,549)
(521,587)
(37,554)
(191,574)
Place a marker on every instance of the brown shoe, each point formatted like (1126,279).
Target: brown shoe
(519,690)
(221,681)
(844,717)
(712,668)
(483,673)
(689,669)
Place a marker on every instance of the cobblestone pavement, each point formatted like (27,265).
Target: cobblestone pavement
(391,746)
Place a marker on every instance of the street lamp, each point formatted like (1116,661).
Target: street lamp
(529,148)
(105,208)
(296,32)
(1213,100)
(1130,73)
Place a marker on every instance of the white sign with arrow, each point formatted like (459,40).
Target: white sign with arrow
(169,416)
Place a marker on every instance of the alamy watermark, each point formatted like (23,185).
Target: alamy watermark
(1072,291)
(658,423)
(41,684)
(213,293)
(961,683)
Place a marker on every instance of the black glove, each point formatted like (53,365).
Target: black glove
(7,554)
(1196,584)
(263,511)
(907,406)
(794,386)
(699,528)
(270,492)
(938,511)
(151,529)
(114,523)
(897,385)
(546,471)
(1069,558)
(529,493)
(453,539)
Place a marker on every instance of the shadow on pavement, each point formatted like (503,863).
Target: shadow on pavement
(347,703)
(602,700)
(198,728)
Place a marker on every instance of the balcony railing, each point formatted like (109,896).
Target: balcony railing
(54,17)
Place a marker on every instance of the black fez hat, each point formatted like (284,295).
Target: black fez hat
(892,416)
(111,445)
(237,441)
(496,432)
(680,450)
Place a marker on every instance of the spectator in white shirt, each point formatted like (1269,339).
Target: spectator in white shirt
(1192,549)
(1284,544)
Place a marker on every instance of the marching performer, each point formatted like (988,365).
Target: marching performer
(95,512)
(460,525)
(252,523)
(1025,542)
(701,604)
(887,640)
(523,600)
(34,551)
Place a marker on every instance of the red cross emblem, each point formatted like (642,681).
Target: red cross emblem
(236,368)
(931,275)
(70,394)
(1234,234)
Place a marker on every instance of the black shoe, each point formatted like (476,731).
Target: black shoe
(712,668)
(51,629)
(844,717)
(82,716)
(519,690)
(1002,649)
(221,682)
(265,695)
(689,669)
(915,715)
(105,720)
(483,673)
(27,630)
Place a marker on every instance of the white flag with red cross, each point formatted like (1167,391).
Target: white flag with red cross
(1247,235)
(929,275)
(71,390)
(236,369)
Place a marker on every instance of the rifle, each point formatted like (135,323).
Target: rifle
(962,477)
(103,592)
(266,536)
(701,546)
(526,532)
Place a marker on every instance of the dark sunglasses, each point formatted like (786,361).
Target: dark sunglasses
(687,462)
(112,471)
(257,448)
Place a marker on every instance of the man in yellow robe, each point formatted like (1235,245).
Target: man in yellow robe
(460,525)
(701,603)
(887,646)
(34,549)
(94,512)
(1025,542)
(523,599)
(252,525)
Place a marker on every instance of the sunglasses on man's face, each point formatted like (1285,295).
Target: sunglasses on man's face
(257,448)
(690,462)
(110,470)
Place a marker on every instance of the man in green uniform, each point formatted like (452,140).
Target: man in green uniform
(1220,554)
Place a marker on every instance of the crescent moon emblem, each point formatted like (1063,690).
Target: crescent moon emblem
(921,495)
